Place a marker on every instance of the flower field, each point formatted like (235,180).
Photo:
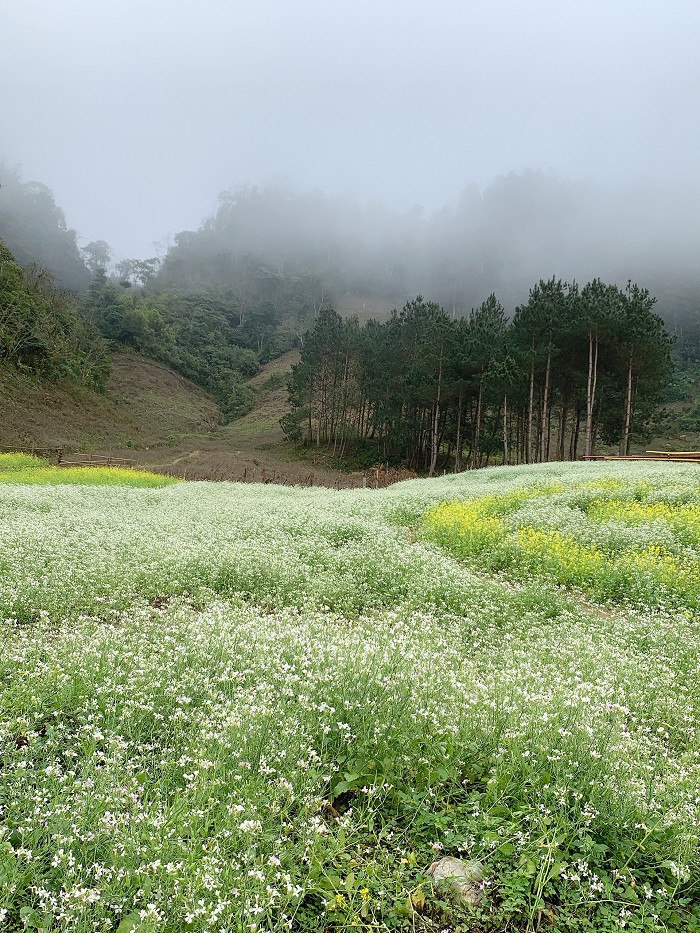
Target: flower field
(631,542)
(233,707)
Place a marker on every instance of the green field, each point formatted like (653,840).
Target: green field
(234,707)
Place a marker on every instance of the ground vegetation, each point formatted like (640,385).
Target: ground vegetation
(252,707)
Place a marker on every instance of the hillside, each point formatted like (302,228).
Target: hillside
(145,404)
(164,422)
(250,449)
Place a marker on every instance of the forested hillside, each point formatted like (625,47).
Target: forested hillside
(216,336)
(41,331)
(254,277)
(521,228)
(487,377)
(433,392)
(212,328)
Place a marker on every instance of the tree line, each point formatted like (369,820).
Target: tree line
(573,366)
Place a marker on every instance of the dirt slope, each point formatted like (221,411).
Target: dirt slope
(252,448)
(145,405)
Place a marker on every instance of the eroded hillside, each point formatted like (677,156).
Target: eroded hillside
(145,404)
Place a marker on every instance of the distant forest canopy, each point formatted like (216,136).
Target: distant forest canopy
(34,229)
(434,393)
(521,228)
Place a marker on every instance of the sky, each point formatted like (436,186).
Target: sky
(137,113)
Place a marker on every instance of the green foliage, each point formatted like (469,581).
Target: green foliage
(217,337)
(194,334)
(40,330)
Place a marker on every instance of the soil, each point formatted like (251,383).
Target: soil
(252,448)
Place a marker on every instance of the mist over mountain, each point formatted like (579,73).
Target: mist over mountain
(34,227)
(523,227)
(137,114)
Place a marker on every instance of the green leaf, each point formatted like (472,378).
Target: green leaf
(130,924)
(556,869)
(499,811)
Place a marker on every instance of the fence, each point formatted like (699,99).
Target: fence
(46,453)
(665,456)
(96,460)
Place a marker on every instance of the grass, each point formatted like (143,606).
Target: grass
(249,428)
(25,469)
(238,707)
(145,403)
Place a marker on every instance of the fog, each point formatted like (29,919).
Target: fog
(137,114)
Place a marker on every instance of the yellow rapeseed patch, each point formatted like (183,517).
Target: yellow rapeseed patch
(618,545)
(560,555)
(467,527)
(27,470)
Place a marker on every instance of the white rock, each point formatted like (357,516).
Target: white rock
(462,877)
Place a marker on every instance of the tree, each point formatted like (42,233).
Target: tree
(96,255)
(41,332)
(138,271)
(537,328)
(598,311)
(315,379)
(645,350)
(487,343)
